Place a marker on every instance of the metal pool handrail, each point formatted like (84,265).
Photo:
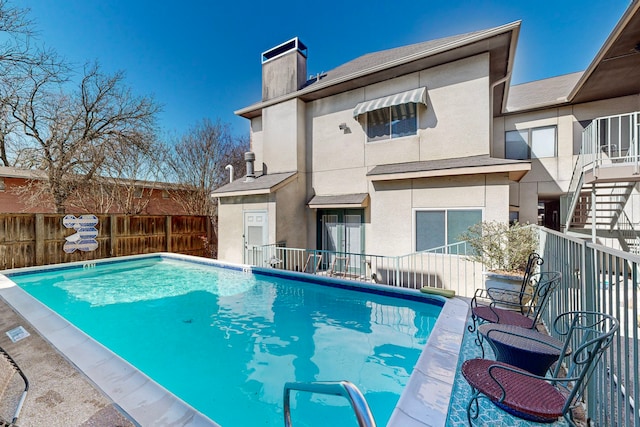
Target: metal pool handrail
(335,388)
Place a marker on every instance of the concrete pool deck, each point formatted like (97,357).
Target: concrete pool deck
(425,401)
(59,394)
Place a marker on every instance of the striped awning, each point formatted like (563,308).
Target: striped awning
(416,95)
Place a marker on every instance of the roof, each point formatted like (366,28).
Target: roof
(357,200)
(37,174)
(471,165)
(615,70)
(261,184)
(383,65)
(11,172)
(541,93)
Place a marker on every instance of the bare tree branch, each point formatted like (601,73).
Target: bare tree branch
(76,133)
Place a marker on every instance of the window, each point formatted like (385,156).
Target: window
(165,194)
(137,193)
(392,122)
(532,143)
(517,145)
(2,186)
(436,228)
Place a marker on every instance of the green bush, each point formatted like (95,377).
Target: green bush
(501,247)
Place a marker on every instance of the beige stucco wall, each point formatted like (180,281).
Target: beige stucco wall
(455,123)
(291,213)
(393,206)
(231,223)
(280,143)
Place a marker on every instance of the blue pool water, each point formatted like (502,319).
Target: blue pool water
(226,341)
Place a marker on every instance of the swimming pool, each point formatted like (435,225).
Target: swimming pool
(306,348)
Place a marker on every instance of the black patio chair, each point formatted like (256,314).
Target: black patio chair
(537,398)
(517,308)
(533,263)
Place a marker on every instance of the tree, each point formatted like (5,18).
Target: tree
(74,135)
(20,60)
(125,181)
(198,163)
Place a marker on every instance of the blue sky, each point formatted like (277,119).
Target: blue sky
(201,58)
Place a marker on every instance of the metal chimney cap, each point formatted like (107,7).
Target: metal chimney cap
(249,156)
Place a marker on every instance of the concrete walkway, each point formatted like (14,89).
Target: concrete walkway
(59,394)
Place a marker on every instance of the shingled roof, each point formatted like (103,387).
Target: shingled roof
(383,65)
(541,93)
(261,184)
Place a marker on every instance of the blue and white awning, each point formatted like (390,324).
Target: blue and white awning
(418,96)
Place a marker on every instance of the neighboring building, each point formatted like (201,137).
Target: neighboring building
(153,198)
(402,150)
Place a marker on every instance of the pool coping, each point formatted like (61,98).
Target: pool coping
(424,402)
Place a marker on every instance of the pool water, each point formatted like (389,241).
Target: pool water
(226,341)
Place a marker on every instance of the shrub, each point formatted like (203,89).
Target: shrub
(501,247)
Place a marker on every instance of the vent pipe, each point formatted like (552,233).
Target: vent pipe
(250,157)
(230,169)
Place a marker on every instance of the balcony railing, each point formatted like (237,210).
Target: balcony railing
(606,141)
(446,267)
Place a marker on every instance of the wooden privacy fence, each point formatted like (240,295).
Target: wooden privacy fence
(37,239)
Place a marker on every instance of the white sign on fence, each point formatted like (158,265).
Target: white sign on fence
(86,232)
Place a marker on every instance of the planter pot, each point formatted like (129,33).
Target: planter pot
(511,283)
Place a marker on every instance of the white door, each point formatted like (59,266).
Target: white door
(255,236)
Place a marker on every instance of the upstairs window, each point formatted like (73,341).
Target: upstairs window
(392,122)
(392,116)
(534,143)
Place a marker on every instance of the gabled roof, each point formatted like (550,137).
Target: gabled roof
(383,65)
(614,72)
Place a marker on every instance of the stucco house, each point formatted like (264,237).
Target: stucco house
(402,150)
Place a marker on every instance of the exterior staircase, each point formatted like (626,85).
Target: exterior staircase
(605,179)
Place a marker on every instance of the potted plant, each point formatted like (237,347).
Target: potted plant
(503,249)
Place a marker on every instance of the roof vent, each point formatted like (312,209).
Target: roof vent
(250,157)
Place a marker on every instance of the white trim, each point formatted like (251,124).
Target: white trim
(297,43)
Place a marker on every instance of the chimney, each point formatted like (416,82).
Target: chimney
(284,69)
(250,157)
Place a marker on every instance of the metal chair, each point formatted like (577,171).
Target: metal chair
(314,261)
(509,308)
(8,369)
(537,398)
(533,262)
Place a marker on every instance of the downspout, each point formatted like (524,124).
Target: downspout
(493,87)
